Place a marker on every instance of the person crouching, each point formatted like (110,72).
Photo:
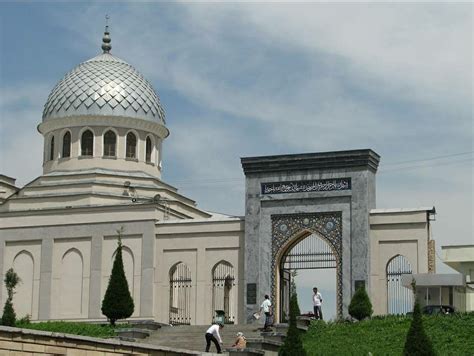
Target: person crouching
(212,334)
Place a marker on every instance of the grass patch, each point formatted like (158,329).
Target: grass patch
(450,335)
(84,329)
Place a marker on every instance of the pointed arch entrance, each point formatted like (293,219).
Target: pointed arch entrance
(323,233)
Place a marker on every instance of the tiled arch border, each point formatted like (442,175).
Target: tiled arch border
(289,229)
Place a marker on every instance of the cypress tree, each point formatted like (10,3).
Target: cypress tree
(417,342)
(11,280)
(293,346)
(360,306)
(117,303)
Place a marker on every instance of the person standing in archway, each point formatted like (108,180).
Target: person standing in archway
(266,307)
(317,302)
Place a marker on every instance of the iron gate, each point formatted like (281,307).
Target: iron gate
(180,295)
(223,291)
(310,253)
(399,298)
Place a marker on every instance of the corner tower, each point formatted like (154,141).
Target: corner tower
(105,115)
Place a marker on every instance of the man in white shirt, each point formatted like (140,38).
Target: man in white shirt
(317,301)
(212,334)
(266,307)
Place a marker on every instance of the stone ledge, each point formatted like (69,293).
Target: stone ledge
(11,339)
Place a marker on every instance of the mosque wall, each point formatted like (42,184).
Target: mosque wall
(396,234)
(65,268)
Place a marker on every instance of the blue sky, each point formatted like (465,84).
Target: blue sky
(243,79)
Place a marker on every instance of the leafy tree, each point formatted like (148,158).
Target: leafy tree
(293,345)
(11,280)
(417,342)
(117,303)
(360,306)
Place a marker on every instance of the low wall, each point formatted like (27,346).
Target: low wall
(14,341)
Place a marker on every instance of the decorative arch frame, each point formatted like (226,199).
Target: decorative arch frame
(79,139)
(396,278)
(137,147)
(289,229)
(25,252)
(30,255)
(117,138)
(180,295)
(63,134)
(223,291)
(73,249)
(153,149)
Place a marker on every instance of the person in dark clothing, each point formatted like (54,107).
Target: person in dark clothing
(212,334)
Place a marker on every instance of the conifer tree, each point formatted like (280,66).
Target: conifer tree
(117,303)
(360,306)
(293,346)
(11,280)
(417,342)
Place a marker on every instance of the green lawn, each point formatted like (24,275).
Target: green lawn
(451,335)
(84,329)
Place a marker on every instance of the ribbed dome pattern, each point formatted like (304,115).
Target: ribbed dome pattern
(104,85)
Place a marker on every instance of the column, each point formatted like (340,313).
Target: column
(46,269)
(95,301)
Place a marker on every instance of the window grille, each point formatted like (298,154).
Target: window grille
(51,149)
(224,291)
(148,150)
(66,145)
(87,143)
(399,298)
(180,295)
(110,142)
(131,148)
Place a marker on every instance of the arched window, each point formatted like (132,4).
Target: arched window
(87,143)
(131,151)
(110,143)
(67,145)
(51,149)
(180,294)
(148,150)
(399,298)
(223,291)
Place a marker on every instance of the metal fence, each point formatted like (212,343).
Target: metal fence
(399,298)
(223,291)
(310,253)
(180,295)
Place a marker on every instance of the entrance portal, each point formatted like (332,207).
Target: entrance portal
(304,241)
(310,253)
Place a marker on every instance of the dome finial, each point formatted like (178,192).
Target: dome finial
(106,46)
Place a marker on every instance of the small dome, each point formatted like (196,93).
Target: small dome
(104,85)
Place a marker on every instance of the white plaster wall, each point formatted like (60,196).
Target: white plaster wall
(132,260)
(391,235)
(25,300)
(64,278)
(200,248)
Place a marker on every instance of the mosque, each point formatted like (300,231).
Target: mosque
(104,129)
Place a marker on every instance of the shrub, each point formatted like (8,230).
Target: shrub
(417,341)
(117,303)
(293,346)
(360,306)
(11,280)
(9,315)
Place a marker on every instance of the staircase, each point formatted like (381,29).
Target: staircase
(191,337)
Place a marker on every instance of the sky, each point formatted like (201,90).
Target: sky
(247,79)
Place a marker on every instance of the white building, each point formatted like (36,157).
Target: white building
(104,128)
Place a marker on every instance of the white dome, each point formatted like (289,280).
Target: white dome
(104,85)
